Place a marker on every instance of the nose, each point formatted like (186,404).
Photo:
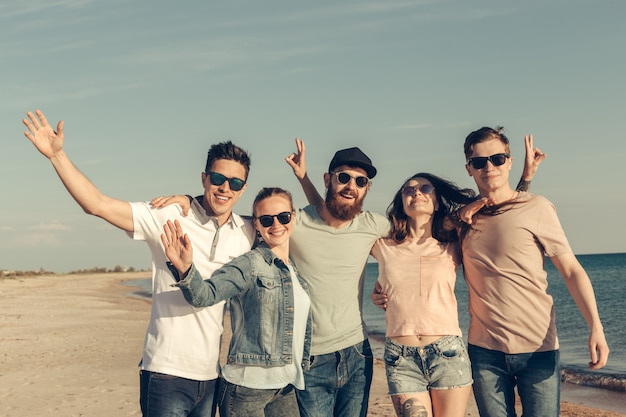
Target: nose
(489,165)
(225,186)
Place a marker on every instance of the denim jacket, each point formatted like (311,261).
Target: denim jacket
(260,290)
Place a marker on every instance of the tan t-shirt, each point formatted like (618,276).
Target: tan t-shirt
(419,282)
(503,257)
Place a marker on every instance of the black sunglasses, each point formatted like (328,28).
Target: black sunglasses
(267,220)
(479,162)
(411,190)
(344,178)
(235,184)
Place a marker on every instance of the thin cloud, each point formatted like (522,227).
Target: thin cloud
(53,225)
(30,240)
(18,8)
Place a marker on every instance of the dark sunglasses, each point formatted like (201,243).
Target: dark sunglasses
(479,162)
(411,190)
(344,178)
(235,184)
(267,220)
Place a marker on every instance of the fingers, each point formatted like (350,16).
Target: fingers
(59,127)
(528,140)
(290,160)
(33,119)
(169,233)
(300,146)
(42,117)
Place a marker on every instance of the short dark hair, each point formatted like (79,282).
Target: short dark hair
(230,151)
(482,135)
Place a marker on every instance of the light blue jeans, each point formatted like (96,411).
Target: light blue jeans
(535,374)
(443,364)
(237,401)
(338,383)
(171,396)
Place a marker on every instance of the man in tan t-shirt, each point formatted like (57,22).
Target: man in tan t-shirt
(512,334)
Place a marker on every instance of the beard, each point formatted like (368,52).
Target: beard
(342,210)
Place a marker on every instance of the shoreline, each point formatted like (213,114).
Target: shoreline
(71,345)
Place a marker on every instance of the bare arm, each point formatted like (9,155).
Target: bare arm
(297,162)
(50,144)
(579,286)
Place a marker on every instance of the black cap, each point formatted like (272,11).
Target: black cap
(353,157)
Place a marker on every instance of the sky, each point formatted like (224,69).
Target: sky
(145,87)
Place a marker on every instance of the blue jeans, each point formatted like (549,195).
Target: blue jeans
(237,401)
(535,374)
(338,383)
(171,396)
(443,364)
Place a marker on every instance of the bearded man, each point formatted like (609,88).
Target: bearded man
(330,246)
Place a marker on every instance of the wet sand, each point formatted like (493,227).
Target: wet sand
(70,344)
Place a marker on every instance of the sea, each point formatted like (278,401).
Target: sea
(608,276)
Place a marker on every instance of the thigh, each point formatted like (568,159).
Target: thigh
(284,404)
(494,387)
(449,364)
(405,374)
(166,395)
(353,396)
(205,403)
(412,404)
(539,383)
(320,387)
(450,402)
(238,401)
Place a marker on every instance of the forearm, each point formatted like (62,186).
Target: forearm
(225,283)
(313,197)
(581,290)
(197,291)
(87,195)
(523,185)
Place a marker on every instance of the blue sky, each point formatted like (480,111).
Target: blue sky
(145,87)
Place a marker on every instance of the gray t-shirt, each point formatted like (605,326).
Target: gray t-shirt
(332,261)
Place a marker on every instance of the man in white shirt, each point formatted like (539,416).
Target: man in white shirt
(180,361)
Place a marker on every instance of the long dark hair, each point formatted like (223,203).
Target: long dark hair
(449,198)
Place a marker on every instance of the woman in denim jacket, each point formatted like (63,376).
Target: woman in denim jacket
(269,309)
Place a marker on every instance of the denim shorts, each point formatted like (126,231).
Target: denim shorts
(443,364)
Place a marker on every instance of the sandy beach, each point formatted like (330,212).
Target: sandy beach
(70,344)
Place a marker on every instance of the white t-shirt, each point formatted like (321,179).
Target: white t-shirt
(182,340)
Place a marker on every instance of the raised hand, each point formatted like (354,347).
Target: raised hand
(534,157)
(297,161)
(47,141)
(177,247)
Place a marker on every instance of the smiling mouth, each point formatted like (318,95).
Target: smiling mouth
(348,196)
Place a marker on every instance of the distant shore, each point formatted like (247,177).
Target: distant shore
(71,344)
